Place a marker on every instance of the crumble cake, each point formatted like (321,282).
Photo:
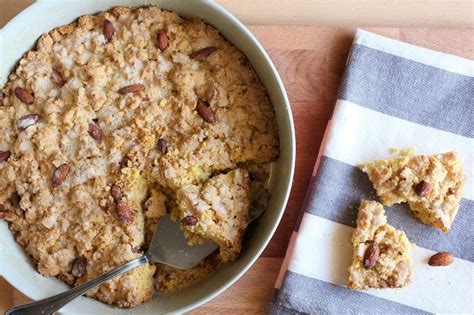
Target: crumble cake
(217,210)
(104,122)
(432,185)
(381,256)
(172,279)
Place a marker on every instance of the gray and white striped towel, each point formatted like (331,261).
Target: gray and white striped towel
(393,95)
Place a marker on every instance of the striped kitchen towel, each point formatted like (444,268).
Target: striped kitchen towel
(393,95)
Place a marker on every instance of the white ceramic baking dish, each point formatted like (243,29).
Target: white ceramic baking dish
(20,34)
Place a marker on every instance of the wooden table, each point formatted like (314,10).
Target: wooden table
(310,60)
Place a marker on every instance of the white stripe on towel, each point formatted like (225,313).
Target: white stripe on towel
(361,134)
(419,54)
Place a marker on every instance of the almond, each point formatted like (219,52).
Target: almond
(163,146)
(202,53)
(60,174)
(108,29)
(205,112)
(95,131)
(134,88)
(162,39)
(116,193)
(189,220)
(27,121)
(4,156)
(124,212)
(124,162)
(79,267)
(58,77)
(423,188)
(24,96)
(441,259)
(15,200)
(371,255)
(7,215)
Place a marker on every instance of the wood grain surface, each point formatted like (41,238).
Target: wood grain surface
(345,13)
(310,60)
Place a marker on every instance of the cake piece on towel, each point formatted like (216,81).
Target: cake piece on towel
(432,185)
(381,256)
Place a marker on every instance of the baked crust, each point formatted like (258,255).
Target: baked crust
(396,180)
(75,75)
(394,267)
(220,207)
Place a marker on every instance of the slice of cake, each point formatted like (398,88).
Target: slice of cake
(432,185)
(381,256)
(216,210)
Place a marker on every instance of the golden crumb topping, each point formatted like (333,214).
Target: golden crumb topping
(104,121)
(432,185)
(381,256)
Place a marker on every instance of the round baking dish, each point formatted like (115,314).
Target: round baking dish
(20,34)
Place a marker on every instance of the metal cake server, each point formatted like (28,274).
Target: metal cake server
(168,246)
